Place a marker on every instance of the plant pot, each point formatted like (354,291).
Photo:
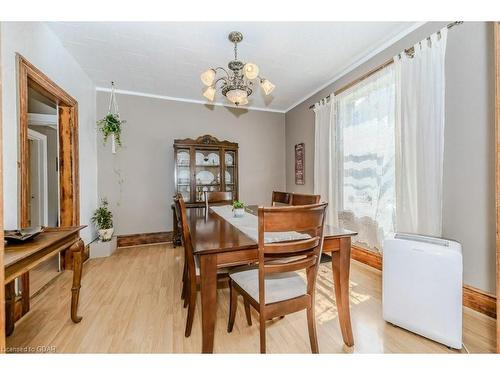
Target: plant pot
(239,212)
(99,249)
(105,234)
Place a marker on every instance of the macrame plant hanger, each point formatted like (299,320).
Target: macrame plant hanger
(113,109)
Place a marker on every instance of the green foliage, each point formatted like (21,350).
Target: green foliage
(111,124)
(238,204)
(103,218)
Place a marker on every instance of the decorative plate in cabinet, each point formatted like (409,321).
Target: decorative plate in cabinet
(205,177)
(183,158)
(183,177)
(213,159)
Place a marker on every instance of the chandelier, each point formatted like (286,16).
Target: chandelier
(236,85)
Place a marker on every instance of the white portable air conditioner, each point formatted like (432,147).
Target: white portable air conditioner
(422,286)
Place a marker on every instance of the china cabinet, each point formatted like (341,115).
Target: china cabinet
(204,164)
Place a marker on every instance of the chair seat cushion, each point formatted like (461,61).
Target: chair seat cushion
(279,287)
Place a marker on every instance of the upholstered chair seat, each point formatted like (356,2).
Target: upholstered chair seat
(278,287)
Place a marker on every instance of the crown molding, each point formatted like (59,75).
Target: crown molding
(359,62)
(345,71)
(184,100)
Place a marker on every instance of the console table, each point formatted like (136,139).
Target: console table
(22,257)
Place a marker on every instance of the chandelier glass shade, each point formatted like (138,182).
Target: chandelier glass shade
(235,83)
(267,86)
(251,70)
(208,77)
(209,93)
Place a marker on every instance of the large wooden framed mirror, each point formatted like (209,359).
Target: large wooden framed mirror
(33,82)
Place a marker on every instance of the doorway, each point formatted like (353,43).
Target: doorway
(43,149)
(38,205)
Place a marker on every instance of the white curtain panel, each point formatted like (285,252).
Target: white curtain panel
(420,111)
(365,118)
(325,158)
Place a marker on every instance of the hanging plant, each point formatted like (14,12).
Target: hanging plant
(111,125)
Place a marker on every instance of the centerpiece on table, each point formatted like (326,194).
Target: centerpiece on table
(238,209)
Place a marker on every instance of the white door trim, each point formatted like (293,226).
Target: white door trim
(42,158)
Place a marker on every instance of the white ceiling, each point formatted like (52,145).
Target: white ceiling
(166,58)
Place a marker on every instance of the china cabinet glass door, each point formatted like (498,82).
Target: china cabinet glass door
(183,173)
(207,172)
(230,172)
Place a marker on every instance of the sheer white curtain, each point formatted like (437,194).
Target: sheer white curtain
(325,158)
(420,82)
(365,117)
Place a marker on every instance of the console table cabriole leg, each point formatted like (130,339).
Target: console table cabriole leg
(10,300)
(77,251)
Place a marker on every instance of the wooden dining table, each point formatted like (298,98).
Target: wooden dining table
(218,244)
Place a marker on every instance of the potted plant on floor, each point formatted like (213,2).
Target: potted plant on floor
(103,220)
(238,209)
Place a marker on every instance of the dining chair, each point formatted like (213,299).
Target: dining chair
(177,219)
(177,213)
(304,199)
(218,197)
(280,197)
(191,279)
(275,288)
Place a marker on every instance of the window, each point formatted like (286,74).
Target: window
(365,136)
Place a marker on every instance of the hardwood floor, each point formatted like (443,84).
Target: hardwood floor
(130,303)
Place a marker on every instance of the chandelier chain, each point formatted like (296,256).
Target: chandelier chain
(235,51)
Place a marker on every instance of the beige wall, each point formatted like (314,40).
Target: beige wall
(469,200)
(141,203)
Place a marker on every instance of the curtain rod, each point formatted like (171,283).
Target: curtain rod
(407,50)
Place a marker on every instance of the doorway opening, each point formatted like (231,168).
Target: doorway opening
(43,149)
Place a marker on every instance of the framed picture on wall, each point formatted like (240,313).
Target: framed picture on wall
(299,164)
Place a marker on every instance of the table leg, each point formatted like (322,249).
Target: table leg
(208,275)
(341,262)
(77,251)
(25,293)
(10,300)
